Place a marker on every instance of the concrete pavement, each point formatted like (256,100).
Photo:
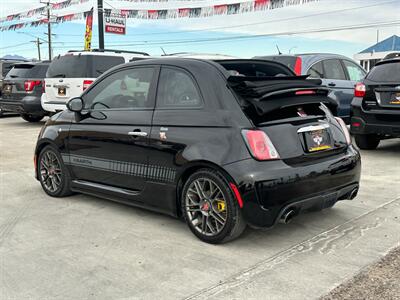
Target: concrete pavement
(83,247)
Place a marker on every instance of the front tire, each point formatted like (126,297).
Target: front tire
(367,141)
(210,208)
(53,174)
(32,118)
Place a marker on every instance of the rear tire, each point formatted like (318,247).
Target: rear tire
(210,208)
(32,118)
(53,174)
(367,141)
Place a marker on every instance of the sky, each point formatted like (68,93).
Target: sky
(275,26)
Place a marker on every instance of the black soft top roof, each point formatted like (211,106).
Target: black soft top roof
(267,94)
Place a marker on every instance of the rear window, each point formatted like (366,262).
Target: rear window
(28,71)
(389,72)
(82,66)
(288,61)
(255,68)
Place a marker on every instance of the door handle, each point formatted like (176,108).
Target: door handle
(332,84)
(137,133)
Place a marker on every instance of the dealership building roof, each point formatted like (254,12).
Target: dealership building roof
(370,56)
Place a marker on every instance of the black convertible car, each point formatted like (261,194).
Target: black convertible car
(221,143)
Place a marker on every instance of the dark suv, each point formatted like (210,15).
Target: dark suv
(221,143)
(22,90)
(376,105)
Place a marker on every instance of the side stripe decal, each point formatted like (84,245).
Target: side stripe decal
(154,172)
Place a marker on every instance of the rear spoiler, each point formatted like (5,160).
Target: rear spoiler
(268,94)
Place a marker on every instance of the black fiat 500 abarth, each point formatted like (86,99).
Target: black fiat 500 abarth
(221,143)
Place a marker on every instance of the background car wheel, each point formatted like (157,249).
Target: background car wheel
(32,118)
(367,141)
(53,175)
(210,208)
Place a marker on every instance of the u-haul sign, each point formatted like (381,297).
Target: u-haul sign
(115,23)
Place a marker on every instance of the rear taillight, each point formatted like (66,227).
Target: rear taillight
(359,90)
(298,66)
(29,85)
(259,144)
(43,86)
(87,83)
(344,129)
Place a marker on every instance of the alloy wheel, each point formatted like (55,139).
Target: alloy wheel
(206,207)
(50,171)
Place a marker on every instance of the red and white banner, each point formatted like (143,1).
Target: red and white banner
(115,23)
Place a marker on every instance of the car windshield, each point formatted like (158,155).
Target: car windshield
(388,72)
(27,71)
(82,66)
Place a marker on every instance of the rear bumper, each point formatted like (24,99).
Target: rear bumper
(384,123)
(53,106)
(270,188)
(28,104)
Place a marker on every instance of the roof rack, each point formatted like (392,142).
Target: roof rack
(111,50)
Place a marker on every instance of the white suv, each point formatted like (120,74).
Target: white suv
(70,74)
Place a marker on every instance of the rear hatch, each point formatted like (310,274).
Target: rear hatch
(383,87)
(69,75)
(23,80)
(295,113)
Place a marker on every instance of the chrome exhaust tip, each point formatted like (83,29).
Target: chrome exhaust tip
(287,216)
(353,194)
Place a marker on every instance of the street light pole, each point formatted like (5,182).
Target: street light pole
(100,23)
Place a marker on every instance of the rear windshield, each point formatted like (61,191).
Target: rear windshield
(28,71)
(388,72)
(82,66)
(288,61)
(255,68)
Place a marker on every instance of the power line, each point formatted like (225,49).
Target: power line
(13,46)
(238,37)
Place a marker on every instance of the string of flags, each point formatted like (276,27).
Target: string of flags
(170,13)
(58,19)
(41,10)
(206,11)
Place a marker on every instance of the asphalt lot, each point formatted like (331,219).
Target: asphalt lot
(83,247)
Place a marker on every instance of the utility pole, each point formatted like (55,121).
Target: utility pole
(48,15)
(100,23)
(49,28)
(38,43)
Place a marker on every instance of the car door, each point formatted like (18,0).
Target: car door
(179,107)
(108,142)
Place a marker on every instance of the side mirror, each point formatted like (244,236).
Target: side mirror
(75,104)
